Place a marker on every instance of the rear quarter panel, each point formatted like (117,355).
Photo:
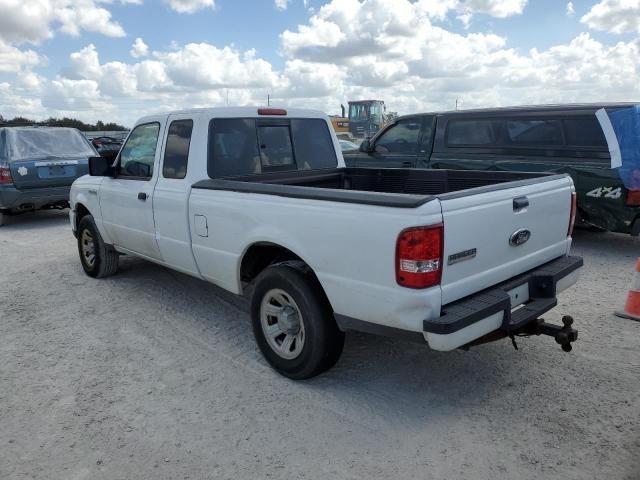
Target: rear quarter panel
(350,247)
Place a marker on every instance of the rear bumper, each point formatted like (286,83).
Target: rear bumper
(31,199)
(508,307)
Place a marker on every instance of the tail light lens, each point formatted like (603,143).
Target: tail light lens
(272,111)
(633,198)
(419,256)
(572,215)
(5,175)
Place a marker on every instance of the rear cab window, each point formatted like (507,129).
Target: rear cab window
(244,146)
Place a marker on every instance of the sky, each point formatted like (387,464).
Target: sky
(117,60)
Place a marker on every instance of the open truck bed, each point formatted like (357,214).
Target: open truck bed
(400,188)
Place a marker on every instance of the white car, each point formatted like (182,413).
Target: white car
(258,201)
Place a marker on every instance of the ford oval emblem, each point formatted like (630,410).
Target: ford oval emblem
(519,237)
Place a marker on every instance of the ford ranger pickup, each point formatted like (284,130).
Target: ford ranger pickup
(258,201)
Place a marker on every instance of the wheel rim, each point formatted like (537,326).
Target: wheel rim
(88,248)
(282,324)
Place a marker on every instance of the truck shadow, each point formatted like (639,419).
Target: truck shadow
(397,380)
(35,220)
(604,244)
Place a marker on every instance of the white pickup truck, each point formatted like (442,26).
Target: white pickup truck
(259,202)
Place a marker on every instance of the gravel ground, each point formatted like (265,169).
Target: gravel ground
(152,374)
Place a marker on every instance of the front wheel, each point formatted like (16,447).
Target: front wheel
(98,259)
(293,322)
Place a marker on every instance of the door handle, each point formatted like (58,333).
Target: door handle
(520,203)
(407,164)
(142,196)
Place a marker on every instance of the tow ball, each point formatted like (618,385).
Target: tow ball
(564,335)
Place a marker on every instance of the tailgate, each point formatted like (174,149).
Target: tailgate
(492,236)
(47,173)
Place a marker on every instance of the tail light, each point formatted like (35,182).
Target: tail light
(5,175)
(633,198)
(419,256)
(572,215)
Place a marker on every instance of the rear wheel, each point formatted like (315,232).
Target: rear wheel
(293,323)
(98,259)
(3,218)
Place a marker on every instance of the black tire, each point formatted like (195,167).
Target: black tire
(105,257)
(323,341)
(3,218)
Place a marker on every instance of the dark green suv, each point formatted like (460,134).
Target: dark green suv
(563,138)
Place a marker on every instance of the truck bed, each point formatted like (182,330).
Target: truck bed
(402,188)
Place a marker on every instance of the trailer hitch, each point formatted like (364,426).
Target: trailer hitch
(564,335)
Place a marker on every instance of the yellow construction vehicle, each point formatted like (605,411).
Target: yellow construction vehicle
(365,118)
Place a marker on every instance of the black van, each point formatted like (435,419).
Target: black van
(559,138)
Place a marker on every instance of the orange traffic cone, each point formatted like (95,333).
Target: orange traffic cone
(632,307)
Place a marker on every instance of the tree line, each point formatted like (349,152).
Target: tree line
(62,122)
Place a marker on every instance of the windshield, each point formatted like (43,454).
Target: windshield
(30,143)
(358,111)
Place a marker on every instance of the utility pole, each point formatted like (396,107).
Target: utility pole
(456,103)
(268,100)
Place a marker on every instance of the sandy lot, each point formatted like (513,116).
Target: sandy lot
(152,374)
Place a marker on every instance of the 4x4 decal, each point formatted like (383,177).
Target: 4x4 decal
(606,192)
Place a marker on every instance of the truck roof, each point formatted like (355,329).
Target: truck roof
(551,108)
(240,112)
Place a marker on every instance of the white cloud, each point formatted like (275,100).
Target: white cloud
(495,8)
(201,65)
(615,16)
(36,20)
(281,4)
(190,6)
(139,49)
(400,51)
(14,60)
(571,10)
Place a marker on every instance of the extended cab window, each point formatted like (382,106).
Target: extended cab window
(470,132)
(400,138)
(534,132)
(176,151)
(138,154)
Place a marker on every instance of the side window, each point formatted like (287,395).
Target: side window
(233,147)
(535,132)
(176,151)
(470,132)
(275,147)
(138,154)
(584,132)
(400,138)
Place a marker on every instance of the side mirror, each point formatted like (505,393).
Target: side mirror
(101,167)
(365,146)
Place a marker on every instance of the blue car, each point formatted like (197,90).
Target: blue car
(38,166)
